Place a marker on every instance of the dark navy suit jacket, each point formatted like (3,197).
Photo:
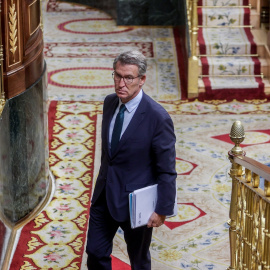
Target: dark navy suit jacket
(144,156)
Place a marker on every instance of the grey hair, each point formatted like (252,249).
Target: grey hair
(132,58)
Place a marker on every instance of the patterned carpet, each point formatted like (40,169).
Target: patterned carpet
(80,47)
(79,72)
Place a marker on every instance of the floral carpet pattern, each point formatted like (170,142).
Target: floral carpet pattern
(197,238)
(228,48)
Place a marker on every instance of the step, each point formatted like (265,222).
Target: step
(255,19)
(201,88)
(260,38)
(264,66)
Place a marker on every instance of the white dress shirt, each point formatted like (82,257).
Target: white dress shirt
(131,106)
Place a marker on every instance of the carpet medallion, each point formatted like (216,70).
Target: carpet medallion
(98,26)
(88,40)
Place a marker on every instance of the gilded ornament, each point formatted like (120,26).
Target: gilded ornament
(237,136)
(41,17)
(2,93)
(2,104)
(267,188)
(193,61)
(12,29)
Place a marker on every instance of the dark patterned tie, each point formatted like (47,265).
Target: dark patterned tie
(117,128)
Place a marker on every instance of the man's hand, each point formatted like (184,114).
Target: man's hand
(155,220)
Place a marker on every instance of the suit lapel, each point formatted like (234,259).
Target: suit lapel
(107,118)
(134,123)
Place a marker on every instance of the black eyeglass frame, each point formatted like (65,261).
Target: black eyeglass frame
(126,80)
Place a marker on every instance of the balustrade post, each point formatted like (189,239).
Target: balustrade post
(266,248)
(189,11)
(193,62)
(237,135)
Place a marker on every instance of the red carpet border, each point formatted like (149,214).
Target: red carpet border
(55,239)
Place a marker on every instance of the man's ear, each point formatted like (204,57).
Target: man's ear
(142,80)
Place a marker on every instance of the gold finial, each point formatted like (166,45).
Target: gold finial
(237,136)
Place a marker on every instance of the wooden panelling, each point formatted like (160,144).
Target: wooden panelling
(12,38)
(23,45)
(34,16)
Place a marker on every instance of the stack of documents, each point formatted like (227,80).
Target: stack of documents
(142,204)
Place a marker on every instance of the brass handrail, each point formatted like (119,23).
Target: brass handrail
(2,92)
(249,6)
(233,75)
(229,26)
(249,208)
(227,55)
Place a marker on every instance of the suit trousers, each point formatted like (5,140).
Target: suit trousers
(102,229)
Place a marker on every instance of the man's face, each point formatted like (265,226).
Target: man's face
(126,91)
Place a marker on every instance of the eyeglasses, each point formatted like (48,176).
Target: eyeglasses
(127,79)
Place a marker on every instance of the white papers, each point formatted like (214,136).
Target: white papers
(142,204)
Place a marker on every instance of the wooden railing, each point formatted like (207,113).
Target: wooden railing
(250,208)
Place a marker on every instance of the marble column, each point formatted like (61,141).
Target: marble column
(24,178)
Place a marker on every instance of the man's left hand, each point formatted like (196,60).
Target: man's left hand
(155,220)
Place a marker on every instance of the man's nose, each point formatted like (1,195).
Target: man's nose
(122,82)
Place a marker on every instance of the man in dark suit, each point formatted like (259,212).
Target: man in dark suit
(138,150)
